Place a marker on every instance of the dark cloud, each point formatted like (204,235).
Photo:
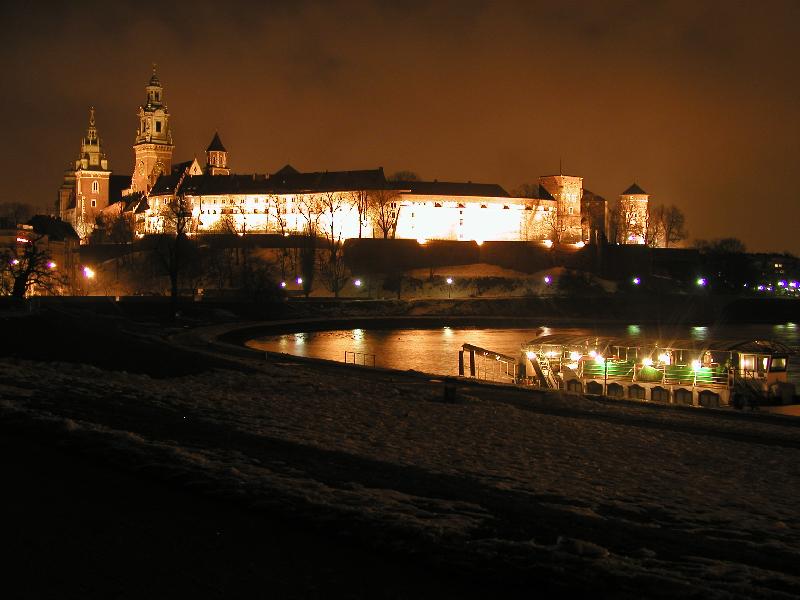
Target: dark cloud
(695,100)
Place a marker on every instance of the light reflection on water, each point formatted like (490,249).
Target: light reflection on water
(436,350)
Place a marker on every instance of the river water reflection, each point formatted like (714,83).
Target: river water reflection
(436,350)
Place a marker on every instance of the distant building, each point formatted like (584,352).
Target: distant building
(560,210)
(49,235)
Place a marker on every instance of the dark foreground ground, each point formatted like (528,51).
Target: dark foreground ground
(74,527)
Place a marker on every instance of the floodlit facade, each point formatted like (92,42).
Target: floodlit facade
(342,204)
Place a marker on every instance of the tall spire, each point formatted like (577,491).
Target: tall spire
(91,156)
(91,132)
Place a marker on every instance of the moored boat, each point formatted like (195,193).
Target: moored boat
(710,374)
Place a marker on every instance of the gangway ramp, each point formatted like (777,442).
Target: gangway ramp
(471,351)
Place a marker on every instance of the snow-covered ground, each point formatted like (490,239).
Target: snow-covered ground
(596,496)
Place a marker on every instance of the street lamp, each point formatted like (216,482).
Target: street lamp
(449,286)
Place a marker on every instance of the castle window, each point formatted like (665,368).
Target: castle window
(569,210)
(94,202)
(95,186)
(158,96)
(158,126)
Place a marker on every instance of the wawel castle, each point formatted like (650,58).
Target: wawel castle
(345,204)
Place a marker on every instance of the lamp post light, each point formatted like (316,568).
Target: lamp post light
(449,286)
(88,275)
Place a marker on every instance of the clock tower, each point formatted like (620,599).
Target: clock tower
(153,147)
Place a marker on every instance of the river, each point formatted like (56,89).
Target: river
(436,350)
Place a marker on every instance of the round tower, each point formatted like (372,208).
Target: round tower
(633,210)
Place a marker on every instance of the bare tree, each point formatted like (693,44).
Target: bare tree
(673,225)
(654,226)
(332,268)
(556,223)
(173,246)
(310,208)
(360,199)
(15,212)
(526,190)
(27,267)
(276,208)
(529,228)
(385,210)
(729,245)
(404,175)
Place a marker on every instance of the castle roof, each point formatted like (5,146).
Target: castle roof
(285,181)
(327,181)
(181,166)
(289,180)
(633,190)
(450,188)
(216,144)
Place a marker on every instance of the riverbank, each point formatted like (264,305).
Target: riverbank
(632,307)
(498,491)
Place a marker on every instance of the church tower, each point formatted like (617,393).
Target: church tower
(85,190)
(217,158)
(153,147)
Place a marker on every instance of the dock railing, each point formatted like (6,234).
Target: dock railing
(359,358)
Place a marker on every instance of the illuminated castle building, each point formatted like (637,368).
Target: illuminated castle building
(341,203)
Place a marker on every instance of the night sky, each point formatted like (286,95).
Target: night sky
(696,101)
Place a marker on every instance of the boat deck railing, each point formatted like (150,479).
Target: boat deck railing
(623,370)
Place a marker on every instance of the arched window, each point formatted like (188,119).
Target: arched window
(95,186)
